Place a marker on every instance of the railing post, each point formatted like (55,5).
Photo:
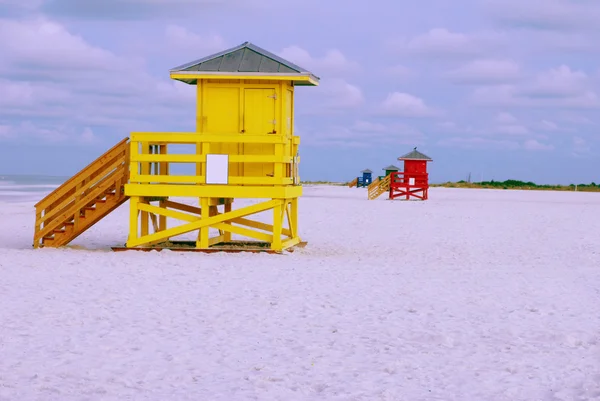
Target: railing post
(37,227)
(145,170)
(163,170)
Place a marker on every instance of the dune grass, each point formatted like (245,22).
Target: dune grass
(521,185)
(323,183)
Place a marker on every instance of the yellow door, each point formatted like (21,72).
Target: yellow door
(222,116)
(259,119)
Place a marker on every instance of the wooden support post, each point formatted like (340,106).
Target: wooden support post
(37,228)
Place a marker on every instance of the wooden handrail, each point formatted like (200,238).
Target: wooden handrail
(374,184)
(108,173)
(82,193)
(84,171)
(69,212)
(378,187)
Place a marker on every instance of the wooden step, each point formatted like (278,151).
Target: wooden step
(48,241)
(104,179)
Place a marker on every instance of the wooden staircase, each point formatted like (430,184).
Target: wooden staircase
(377,187)
(83,200)
(353,183)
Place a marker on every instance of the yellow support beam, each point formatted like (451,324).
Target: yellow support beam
(244,231)
(184,158)
(167,212)
(215,191)
(198,179)
(260,226)
(204,222)
(160,138)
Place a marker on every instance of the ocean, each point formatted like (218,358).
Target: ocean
(27,188)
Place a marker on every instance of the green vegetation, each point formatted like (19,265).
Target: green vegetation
(516,184)
(322,183)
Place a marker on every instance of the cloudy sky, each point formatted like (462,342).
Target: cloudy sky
(499,88)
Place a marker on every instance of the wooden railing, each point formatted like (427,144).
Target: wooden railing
(353,183)
(150,158)
(378,186)
(108,172)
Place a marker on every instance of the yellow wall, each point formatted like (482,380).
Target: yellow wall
(252,107)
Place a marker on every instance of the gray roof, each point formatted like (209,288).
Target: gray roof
(244,59)
(415,155)
(366,171)
(391,167)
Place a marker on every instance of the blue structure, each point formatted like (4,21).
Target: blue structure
(365,180)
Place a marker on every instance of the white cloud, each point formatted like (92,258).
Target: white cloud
(573,118)
(563,41)
(532,144)
(581,147)
(478,143)
(556,88)
(364,134)
(512,129)
(406,105)
(486,71)
(333,62)
(6,132)
(561,81)
(176,43)
(87,136)
(440,42)
(85,86)
(546,14)
(26,5)
(45,133)
(447,125)
(339,95)
(145,9)
(548,126)
(505,118)
(179,37)
(400,72)
(41,43)
(367,126)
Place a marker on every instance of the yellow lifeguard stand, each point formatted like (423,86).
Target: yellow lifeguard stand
(245,147)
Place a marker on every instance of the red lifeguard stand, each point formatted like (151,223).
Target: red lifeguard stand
(414,180)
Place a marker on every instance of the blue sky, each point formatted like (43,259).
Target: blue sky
(499,88)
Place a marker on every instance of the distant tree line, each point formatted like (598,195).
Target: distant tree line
(516,184)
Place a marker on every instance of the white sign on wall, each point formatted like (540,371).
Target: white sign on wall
(217,169)
(411,181)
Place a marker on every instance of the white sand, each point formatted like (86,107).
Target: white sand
(472,295)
